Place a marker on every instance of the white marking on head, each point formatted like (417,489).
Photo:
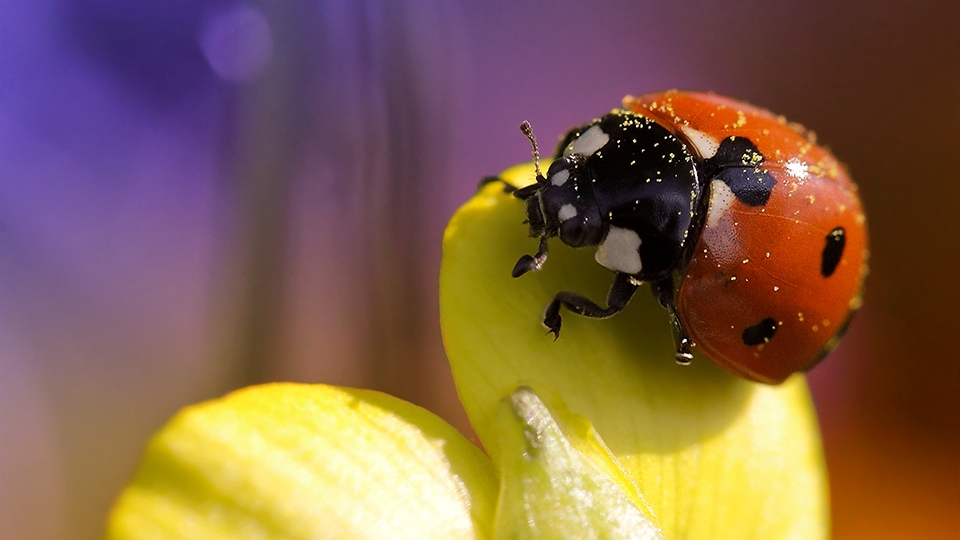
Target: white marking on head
(706,145)
(560,177)
(721,198)
(566,212)
(620,251)
(588,142)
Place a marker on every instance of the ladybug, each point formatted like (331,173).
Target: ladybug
(751,236)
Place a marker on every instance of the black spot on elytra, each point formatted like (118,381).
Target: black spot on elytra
(832,251)
(760,333)
(738,163)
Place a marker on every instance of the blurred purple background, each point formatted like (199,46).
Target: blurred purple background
(201,195)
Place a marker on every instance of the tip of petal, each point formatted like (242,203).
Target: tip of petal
(302,461)
(706,448)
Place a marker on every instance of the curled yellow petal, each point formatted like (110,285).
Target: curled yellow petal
(550,489)
(714,455)
(307,461)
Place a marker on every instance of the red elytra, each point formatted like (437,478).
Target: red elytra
(770,288)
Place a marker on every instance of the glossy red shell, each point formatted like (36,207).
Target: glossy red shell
(763,263)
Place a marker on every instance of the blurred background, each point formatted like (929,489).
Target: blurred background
(197,195)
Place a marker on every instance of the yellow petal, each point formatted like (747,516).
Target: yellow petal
(550,489)
(307,461)
(714,455)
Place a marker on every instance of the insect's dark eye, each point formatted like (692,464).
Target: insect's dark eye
(574,233)
(556,167)
(580,224)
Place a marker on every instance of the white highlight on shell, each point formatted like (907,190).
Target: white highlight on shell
(797,169)
(706,145)
(721,198)
(620,251)
(588,142)
(560,178)
(566,212)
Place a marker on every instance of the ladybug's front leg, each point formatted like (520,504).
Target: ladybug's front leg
(531,263)
(663,291)
(486,180)
(624,285)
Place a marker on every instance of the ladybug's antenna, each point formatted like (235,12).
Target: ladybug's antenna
(528,131)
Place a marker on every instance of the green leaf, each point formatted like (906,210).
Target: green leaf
(714,455)
(307,461)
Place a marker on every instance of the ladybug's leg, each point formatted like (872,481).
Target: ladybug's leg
(507,188)
(522,193)
(624,285)
(663,290)
(531,263)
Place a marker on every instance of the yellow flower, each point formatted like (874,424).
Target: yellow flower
(596,435)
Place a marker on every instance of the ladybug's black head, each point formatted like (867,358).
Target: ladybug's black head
(562,203)
(568,205)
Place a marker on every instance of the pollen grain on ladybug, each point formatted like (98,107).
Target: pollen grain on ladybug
(669,190)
